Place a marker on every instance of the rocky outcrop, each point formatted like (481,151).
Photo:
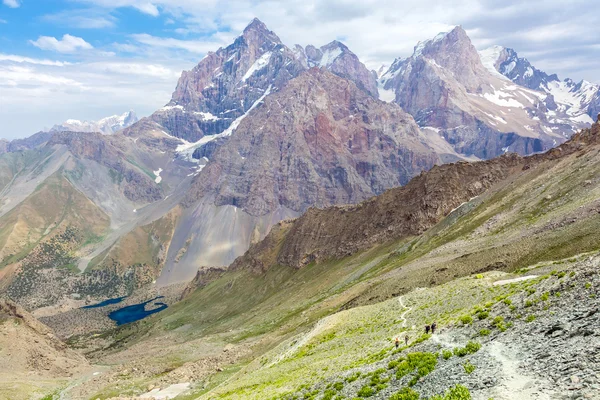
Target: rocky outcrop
(29,347)
(339,231)
(319,141)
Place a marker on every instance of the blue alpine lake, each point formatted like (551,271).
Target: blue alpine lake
(106,302)
(136,312)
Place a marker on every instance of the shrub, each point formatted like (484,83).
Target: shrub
(508,302)
(588,285)
(530,318)
(338,386)
(470,348)
(483,315)
(393,364)
(561,274)
(457,392)
(423,363)
(484,332)
(446,354)
(545,296)
(366,391)
(466,319)
(353,377)
(469,368)
(528,303)
(405,394)
(328,394)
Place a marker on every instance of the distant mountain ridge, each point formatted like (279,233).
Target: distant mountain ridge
(106,126)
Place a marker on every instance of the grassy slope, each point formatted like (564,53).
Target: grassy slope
(54,205)
(143,245)
(542,214)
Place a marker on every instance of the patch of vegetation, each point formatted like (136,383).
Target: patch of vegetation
(405,394)
(421,363)
(366,391)
(484,332)
(470,348)
(469,368)
(446,354)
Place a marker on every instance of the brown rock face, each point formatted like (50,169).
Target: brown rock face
(105,150)
(445,86)
(339,231)
(319,141)
(337,58)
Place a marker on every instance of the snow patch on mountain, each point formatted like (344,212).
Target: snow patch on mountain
(329,56)
(489,58)
(259,64)
(186,149)
(158,177)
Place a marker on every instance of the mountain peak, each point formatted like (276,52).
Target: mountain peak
(257,33)
(256,25)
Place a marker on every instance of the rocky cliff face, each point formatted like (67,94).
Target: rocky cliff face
(340,231)
(447,88)
(226,83)
(319,141)
(135,184)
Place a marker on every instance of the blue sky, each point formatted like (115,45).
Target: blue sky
(87,59)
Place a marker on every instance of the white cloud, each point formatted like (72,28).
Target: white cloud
(68,43)
(146,7)
(193,46)
(26,76)
(11,3)
(28,60)
(137,69)
(81,19)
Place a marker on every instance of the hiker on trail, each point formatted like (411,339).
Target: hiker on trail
(433,327)
(406,340)
(397,342)
(427,328)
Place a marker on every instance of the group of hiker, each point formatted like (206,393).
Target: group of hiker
(428,328)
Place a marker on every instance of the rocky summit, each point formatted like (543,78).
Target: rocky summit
(290,222)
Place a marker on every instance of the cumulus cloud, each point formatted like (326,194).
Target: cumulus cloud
(12,3)
(68,43)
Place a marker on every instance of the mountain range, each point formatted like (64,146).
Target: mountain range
(291,212)
(258,133)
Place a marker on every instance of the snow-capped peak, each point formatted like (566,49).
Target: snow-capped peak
(106,126)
